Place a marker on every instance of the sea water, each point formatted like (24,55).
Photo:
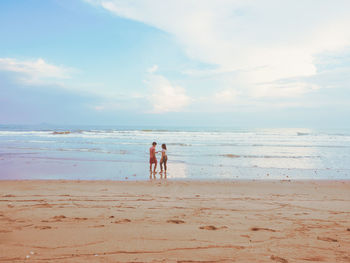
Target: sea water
(122,153)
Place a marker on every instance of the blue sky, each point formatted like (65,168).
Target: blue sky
(183,62)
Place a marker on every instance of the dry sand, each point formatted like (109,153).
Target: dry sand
(179,221)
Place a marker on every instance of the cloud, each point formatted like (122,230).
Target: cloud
(133,102)
(254,41)
(226,96)
(153,69)
(39,73)
(34,71)
(164,96)
(286,90)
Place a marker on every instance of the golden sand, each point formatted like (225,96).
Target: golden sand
(175,221)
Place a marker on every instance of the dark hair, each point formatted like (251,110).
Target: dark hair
(164,146)
(154,143)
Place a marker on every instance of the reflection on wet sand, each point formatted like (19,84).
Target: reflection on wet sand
(162,175)
(152,175)
(178,171)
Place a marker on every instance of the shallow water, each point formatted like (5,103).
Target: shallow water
(194,153)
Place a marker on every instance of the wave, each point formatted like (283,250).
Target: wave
(61,132)
(231,155)
(231,134)
(268,156)
(149,130)
(93,150)
(179,144)
(302,133)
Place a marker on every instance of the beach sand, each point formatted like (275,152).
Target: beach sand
(175,221)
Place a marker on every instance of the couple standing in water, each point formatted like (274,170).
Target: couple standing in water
(153,160)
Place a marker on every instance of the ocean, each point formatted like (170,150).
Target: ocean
(122,153)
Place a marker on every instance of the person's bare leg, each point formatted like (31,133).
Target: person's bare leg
(150,171)
(161,170)
(154,171)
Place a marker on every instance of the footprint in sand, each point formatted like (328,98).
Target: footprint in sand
(175,221)
(208,227)
(80,218)
(279,259)
(211,227)
(126,220)
(9,196)
(43,227)
(44,205)
(328,239)
(5,231)
(58,218)
(316,259)
(262,228)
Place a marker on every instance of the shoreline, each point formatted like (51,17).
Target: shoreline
(181,180)
(174,221)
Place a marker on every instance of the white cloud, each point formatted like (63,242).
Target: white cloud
(286,90)
(34,71)
(257,41)
(119,102)
(226,96)
(153,69)
(164,96)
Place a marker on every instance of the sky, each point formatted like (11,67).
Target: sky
(256,63)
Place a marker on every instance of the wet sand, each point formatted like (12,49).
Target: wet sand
(175,221)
